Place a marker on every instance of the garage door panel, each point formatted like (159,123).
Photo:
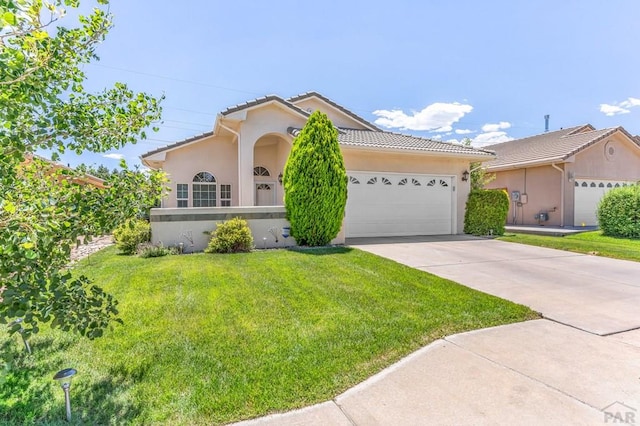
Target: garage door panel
(587,195)
(410,205)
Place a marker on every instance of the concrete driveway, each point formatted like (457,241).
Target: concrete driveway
(595,294)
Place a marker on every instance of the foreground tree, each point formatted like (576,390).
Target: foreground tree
(315,183)
(43,209)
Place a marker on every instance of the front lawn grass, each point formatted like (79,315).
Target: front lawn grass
(586,242)
(219,338)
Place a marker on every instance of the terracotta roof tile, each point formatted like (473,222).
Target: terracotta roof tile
(389,140)
(547,147)
(262,100)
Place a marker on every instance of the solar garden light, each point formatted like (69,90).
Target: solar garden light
(64,378)
(21,332)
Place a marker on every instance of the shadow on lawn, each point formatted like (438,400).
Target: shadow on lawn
(29,395)
(321,251)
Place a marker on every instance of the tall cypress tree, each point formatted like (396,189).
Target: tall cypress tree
(315,183)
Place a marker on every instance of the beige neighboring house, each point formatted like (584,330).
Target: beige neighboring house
(399,184)
(557,178)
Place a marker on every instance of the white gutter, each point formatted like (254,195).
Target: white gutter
(230,130)
(561,193)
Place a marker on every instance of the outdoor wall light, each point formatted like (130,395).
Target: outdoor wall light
(280,178)
(21,332)
(64,378)
(465,176)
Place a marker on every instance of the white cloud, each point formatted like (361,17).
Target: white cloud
(463,131)
(490,138)
(630,102)
(611,110)
(620,107)
(113,156)
(437,117)
(436,137)
(490,128)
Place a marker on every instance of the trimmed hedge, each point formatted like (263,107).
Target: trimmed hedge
(486,213)
(232,236)
(315,183)
(130,234)
(619,212)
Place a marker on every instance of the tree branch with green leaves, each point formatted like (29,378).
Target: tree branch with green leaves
(45,209)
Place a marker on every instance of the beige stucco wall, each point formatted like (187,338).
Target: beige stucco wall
(270,120)
(593,163)
(367,160)
(542,186)
(215,155)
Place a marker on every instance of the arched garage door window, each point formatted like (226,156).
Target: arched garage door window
(204,190)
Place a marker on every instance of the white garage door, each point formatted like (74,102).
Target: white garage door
(391,204)
(588,193)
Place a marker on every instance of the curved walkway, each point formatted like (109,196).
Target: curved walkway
(96,244)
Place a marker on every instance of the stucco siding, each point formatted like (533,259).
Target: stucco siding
(542,186)
(599,162)
(215,155)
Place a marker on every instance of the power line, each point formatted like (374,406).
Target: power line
(187,122)
(197,83)
(189,110)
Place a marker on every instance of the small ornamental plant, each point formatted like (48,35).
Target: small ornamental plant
(232,236)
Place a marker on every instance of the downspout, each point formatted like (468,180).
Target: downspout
(561,193)
(230,130)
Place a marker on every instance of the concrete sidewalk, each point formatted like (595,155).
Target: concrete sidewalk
(537,372)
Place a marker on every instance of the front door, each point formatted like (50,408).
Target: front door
(265,194)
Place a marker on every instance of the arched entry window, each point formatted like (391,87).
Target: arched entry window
(204,190)
(261,171)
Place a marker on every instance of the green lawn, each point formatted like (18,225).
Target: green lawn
(218,338)
(587,242)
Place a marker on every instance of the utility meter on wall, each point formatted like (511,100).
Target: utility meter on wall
(515,195)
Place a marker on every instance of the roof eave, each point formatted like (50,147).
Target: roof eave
(426,152)
(522,164)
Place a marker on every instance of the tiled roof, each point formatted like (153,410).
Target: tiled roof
(356,117)
(547,147)
(389,140)
(177,144)
(263,100)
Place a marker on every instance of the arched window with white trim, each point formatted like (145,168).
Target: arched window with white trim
(204,190)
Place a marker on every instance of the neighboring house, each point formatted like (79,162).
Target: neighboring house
(398,184)
(557,178)
(85,179)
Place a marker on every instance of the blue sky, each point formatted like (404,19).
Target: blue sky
(486,70)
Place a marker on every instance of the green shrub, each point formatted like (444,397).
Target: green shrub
(147,250)
(619,212)
(130,234)
(232,236)
(486,212)
(315,183)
